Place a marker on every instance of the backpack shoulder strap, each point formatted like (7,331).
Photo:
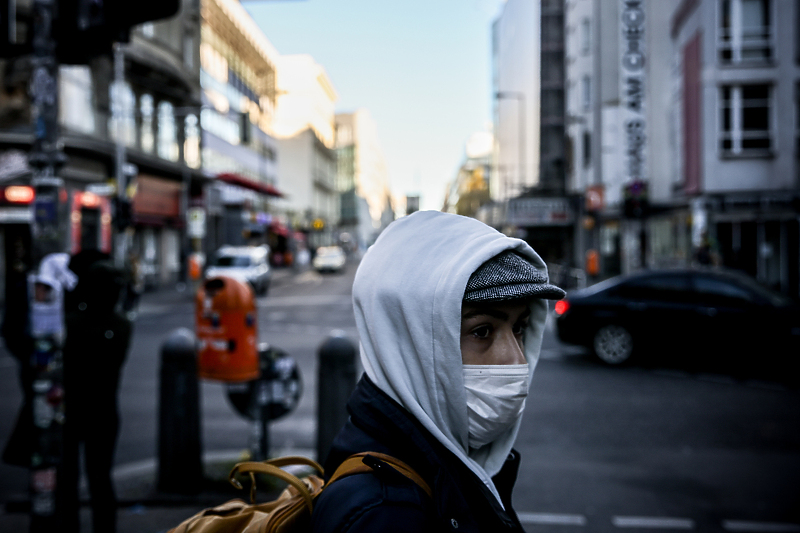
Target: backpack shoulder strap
(365,462)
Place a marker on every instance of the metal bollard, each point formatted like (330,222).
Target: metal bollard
(336,382)
(180,466)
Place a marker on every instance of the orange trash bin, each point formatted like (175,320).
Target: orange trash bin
(226,323)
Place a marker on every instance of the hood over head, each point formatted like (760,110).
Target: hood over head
(407,295)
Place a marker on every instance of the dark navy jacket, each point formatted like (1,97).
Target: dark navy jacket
(390,502)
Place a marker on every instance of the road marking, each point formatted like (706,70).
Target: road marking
(746,525)
(652,522)
(552,519)
(310,300)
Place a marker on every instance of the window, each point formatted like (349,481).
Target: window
(76,88)
(148,30)
(713,291)
(587,148)
(167,134)
(745,120)
(122,122)
(586,36)
(745,31)
(146,109)
(586,91)
(191,144)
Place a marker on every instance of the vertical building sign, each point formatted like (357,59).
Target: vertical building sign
(633,89)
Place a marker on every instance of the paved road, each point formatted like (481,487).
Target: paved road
(604,449)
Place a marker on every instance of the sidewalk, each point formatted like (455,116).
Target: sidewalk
(142,507)
(145,509)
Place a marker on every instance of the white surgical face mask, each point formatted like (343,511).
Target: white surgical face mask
(495,399)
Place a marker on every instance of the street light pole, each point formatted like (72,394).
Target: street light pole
(520,97)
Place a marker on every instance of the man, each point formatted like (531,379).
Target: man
(450,315)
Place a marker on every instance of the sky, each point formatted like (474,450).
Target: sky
(421,67)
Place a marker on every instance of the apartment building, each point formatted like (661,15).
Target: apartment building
(736,102)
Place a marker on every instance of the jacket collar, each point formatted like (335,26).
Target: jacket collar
(457,490)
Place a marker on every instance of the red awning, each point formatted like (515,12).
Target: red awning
(247,183)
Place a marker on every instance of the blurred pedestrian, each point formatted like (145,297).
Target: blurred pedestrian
(19,343)
(96,345)
(706,253)
(450,315)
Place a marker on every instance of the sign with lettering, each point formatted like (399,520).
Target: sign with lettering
(540,212)
(632,74)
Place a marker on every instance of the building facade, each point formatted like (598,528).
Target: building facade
(516,50)
(238,79)
(737,141)
(362,178)
(618,68)
(529,87)
(304,126)
(682,123)
(141,118)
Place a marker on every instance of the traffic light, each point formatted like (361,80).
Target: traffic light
(123,213)
(636,204)
(87,28)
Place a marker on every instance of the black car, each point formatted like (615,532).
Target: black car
(715,314)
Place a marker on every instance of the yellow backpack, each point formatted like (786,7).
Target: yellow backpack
(290,512)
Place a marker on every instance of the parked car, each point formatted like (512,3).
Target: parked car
(247,263)
(329,258)
(713,314)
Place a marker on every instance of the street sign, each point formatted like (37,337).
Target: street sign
(196,222)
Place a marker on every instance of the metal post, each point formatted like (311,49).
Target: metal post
(45,362)
(180,467)
(120,245)
(336,382)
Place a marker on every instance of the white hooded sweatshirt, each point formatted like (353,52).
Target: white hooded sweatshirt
(407,296)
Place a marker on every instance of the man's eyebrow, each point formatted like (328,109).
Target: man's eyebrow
(494,313)
(489,311)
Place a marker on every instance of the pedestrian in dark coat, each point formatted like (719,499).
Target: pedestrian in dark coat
(98,338)
(450,315)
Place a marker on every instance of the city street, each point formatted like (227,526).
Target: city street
(603,449)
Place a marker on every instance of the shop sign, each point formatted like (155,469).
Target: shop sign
(595,200)
(539,212)
(157,197)
(16,215)
(632,88)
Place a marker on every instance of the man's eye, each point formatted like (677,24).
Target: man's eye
(482,332)
(519,328)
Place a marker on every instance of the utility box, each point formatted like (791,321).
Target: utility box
(227,330)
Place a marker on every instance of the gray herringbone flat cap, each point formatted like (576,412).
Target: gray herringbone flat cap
(509,276)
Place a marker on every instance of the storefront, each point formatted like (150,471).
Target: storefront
(158,224)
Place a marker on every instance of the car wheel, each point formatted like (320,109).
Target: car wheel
(613,344)
(265,288)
